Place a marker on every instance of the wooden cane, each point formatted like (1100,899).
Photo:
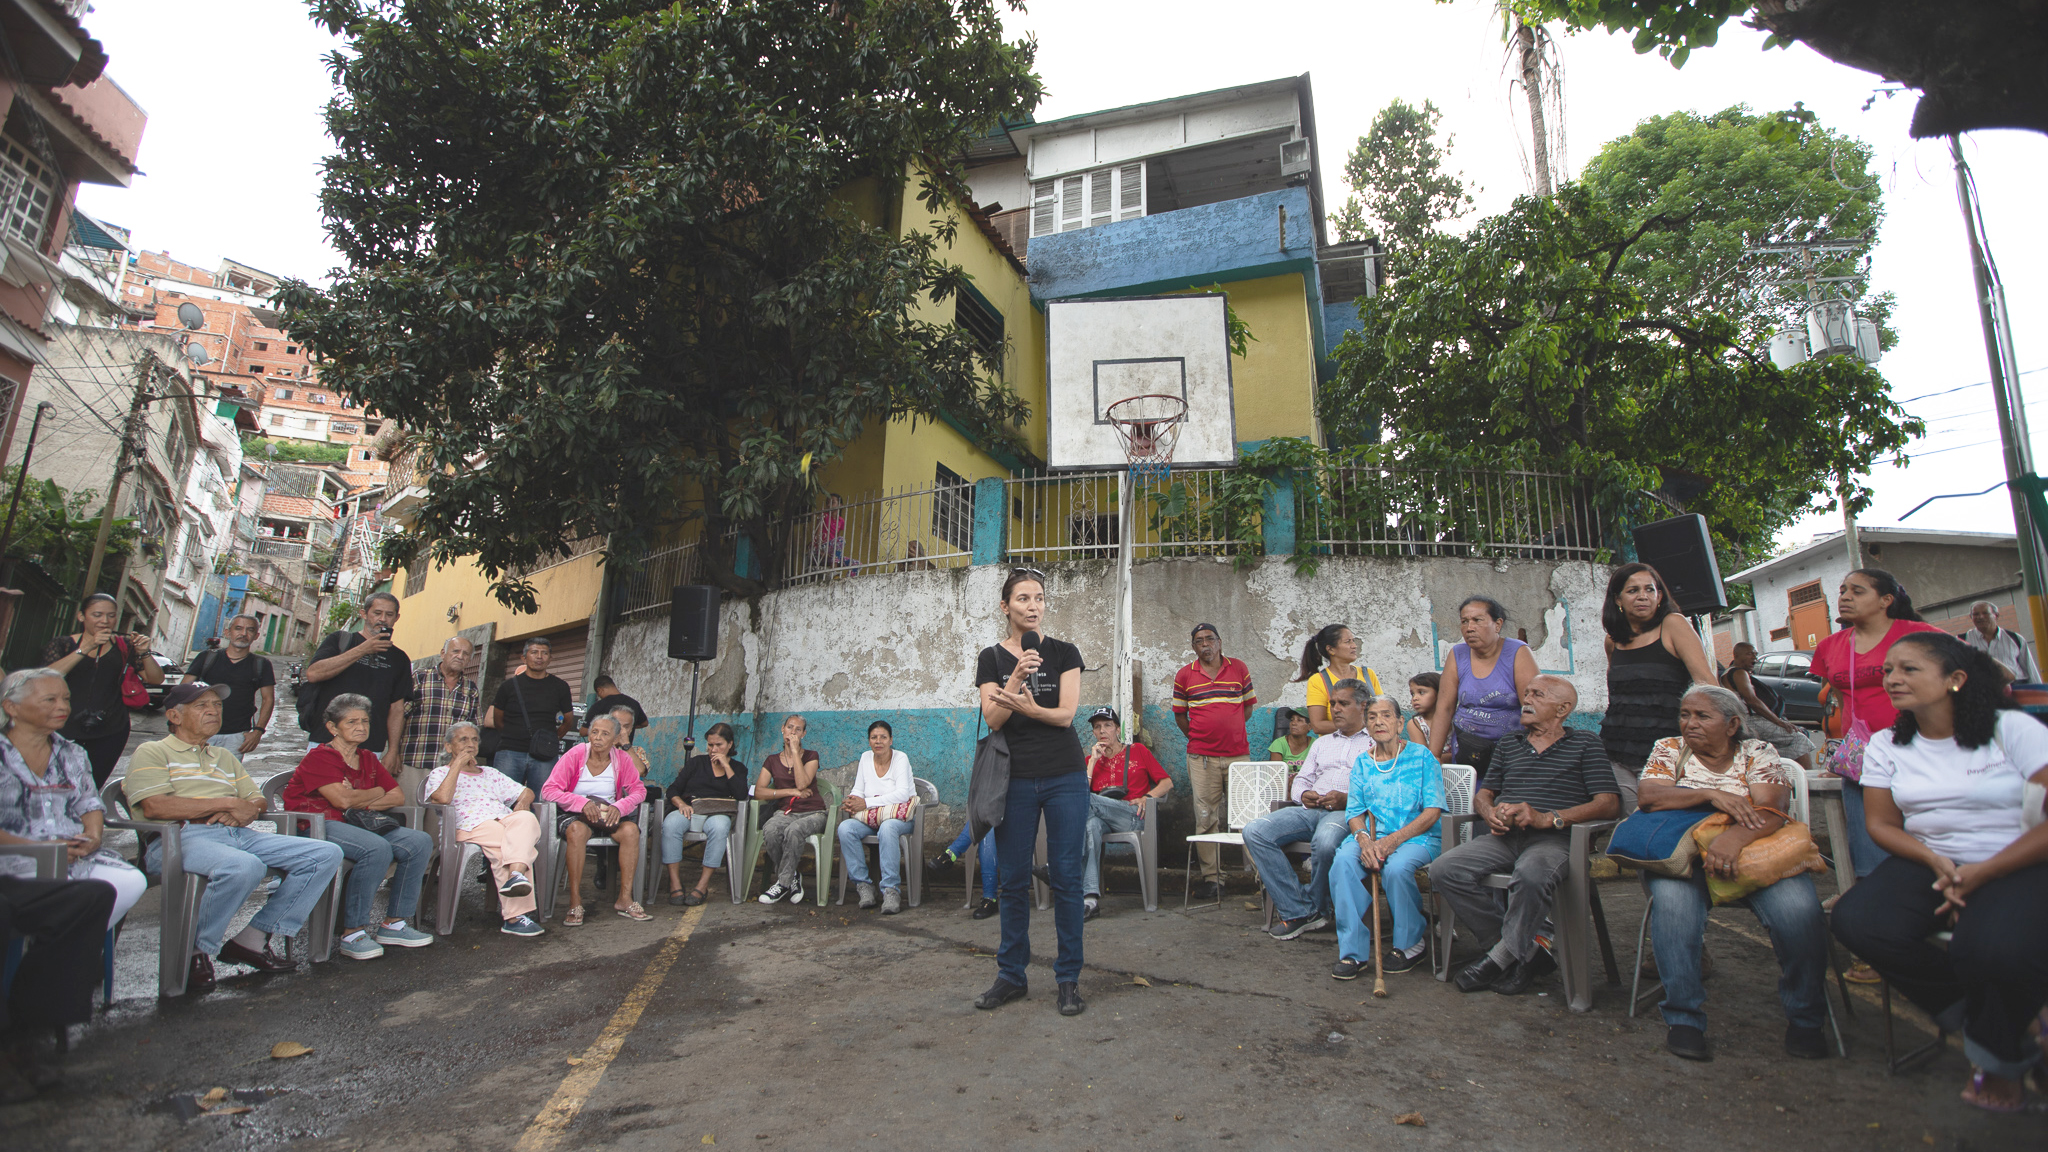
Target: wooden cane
(1379,975)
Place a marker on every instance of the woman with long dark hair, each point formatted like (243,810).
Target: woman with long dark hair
(1875,613)
(1030,685)
(1944,792)
(1329,658)
(1480,694)
(713,776)
(92,661)
(1653,659)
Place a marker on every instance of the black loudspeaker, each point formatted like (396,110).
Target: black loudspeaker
(1681,550)
(693,623)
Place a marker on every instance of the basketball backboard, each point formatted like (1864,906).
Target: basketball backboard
(1101,351)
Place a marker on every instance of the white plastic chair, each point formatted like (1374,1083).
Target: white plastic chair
(1255,786)
(735,844)
(555,850)
(911,844)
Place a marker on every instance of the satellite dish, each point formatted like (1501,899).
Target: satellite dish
(199,356)
(190,316)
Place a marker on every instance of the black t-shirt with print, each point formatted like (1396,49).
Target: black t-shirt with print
(244,678)
(1037,749)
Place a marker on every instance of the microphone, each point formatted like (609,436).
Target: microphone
(1033,683)
(1030,642)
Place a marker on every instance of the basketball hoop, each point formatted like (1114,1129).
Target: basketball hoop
(1148,427)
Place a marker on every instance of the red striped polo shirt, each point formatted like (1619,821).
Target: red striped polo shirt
(1215,707)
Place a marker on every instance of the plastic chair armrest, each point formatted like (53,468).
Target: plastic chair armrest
(48,858)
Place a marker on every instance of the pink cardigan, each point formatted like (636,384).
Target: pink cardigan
(561,786)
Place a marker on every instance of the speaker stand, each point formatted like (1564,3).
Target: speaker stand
(690,731)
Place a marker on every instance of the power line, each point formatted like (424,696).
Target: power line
(1965,387)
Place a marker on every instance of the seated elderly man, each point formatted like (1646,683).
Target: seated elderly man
(1319,790)
(1543,780)
(494,812)
(184,779)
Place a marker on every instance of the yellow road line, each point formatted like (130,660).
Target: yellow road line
(561,1109)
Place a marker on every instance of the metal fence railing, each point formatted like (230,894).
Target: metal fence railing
(645,584)
(906,530)
(1373,511)
(1077,516)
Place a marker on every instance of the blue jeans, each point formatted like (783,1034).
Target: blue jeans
(372,854)
(1353,897)
(1789,910)
(1063,803)
(1263,838)
(675,826)
(1864,854)
(524,768)
(890,848)
(234,861)
(1104,816)
(986,860)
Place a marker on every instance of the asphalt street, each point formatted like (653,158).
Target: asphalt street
(802,1027)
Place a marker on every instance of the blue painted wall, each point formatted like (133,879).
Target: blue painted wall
(1233,240)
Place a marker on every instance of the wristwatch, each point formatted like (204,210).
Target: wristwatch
(1558,821)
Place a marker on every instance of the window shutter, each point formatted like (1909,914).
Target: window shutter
(1100,197)
(1130,202)
(1070,203)
(1045,198)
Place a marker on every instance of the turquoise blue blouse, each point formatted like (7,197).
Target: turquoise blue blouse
(1397,793)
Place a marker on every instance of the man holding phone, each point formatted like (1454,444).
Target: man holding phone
(369,664)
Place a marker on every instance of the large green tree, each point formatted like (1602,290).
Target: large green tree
(1399,184)
(1523,344)
(617,263)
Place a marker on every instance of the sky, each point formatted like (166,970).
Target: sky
(233,149)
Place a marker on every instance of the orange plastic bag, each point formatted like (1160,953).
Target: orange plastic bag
(1762,862)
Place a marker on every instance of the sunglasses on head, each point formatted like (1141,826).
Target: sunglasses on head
(1034,573)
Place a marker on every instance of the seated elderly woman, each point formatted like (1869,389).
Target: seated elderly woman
(495,813)
(1944,792)
(704,798)
(46,792)
(348,784)
(1709,765)
(878,805)
(597,787)
(1401,786)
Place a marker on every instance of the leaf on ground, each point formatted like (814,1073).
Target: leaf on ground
(1412,1118)
(286,1049)
(707,1139)
(1141,982)
(575,1059)
(214,1096)
(1250,906)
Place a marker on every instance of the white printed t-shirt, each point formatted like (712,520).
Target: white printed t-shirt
(1964,803)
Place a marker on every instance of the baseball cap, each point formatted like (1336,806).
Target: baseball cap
(1201,628)
(1106,713)
(180,694)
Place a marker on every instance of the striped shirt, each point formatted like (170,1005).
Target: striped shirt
(171,767)
(1215,707)
(1565,775)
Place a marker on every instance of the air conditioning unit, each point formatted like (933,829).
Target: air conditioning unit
(1293,157)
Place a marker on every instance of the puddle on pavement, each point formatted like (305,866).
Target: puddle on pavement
(193,1105)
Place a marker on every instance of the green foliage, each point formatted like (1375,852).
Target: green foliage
(341,614)
(1237,333)
(1732,181)
(56,529)
(1523,344)
(641,259)
(1398,170)
(1672,30)
(292,451)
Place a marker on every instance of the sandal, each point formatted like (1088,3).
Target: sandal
(573,918)
(691,898)
(1974,1095)
(633,912)
(1861,973)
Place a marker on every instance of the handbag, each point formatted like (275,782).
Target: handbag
(1846,759)
(874,814)
(542,743)
(1120,791)
(1762,862)
(134,693)
(988,781)
(1659,843)
(371,821)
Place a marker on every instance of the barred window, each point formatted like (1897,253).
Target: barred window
(953,509)
(984,323)
(27,193)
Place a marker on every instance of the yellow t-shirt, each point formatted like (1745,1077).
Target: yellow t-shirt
(1319,684)
(171,767)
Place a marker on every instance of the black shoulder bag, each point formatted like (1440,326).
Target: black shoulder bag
(306,700)
(542,743)
(988,782)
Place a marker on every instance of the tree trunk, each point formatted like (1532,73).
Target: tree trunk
(1532,89)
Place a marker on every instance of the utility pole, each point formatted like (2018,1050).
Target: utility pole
(126,460)
(21,477)
(2005,390)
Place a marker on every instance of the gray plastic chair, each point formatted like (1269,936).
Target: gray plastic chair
(313,826)
(178,922)
(452,861)
(48,858)
(911,844)
(554,849)
(735,845)
(1577,901)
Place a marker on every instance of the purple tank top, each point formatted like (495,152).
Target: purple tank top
(1490,707)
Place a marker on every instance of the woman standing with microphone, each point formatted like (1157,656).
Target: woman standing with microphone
(1029,687)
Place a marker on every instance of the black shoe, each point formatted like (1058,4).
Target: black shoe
(1206,892)
(264,961)
(1070,1000)
(199,978)
(1397,961)
(1515,980)
(1478,976)
(941,862)
(1346,969)
(1805,1043)
(985,909)
(1043,874)
(1540,962)
(999,993)
(1091,907)
(1289,929)
(1687,1042)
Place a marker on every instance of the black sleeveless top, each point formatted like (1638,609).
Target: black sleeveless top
(1644,686)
